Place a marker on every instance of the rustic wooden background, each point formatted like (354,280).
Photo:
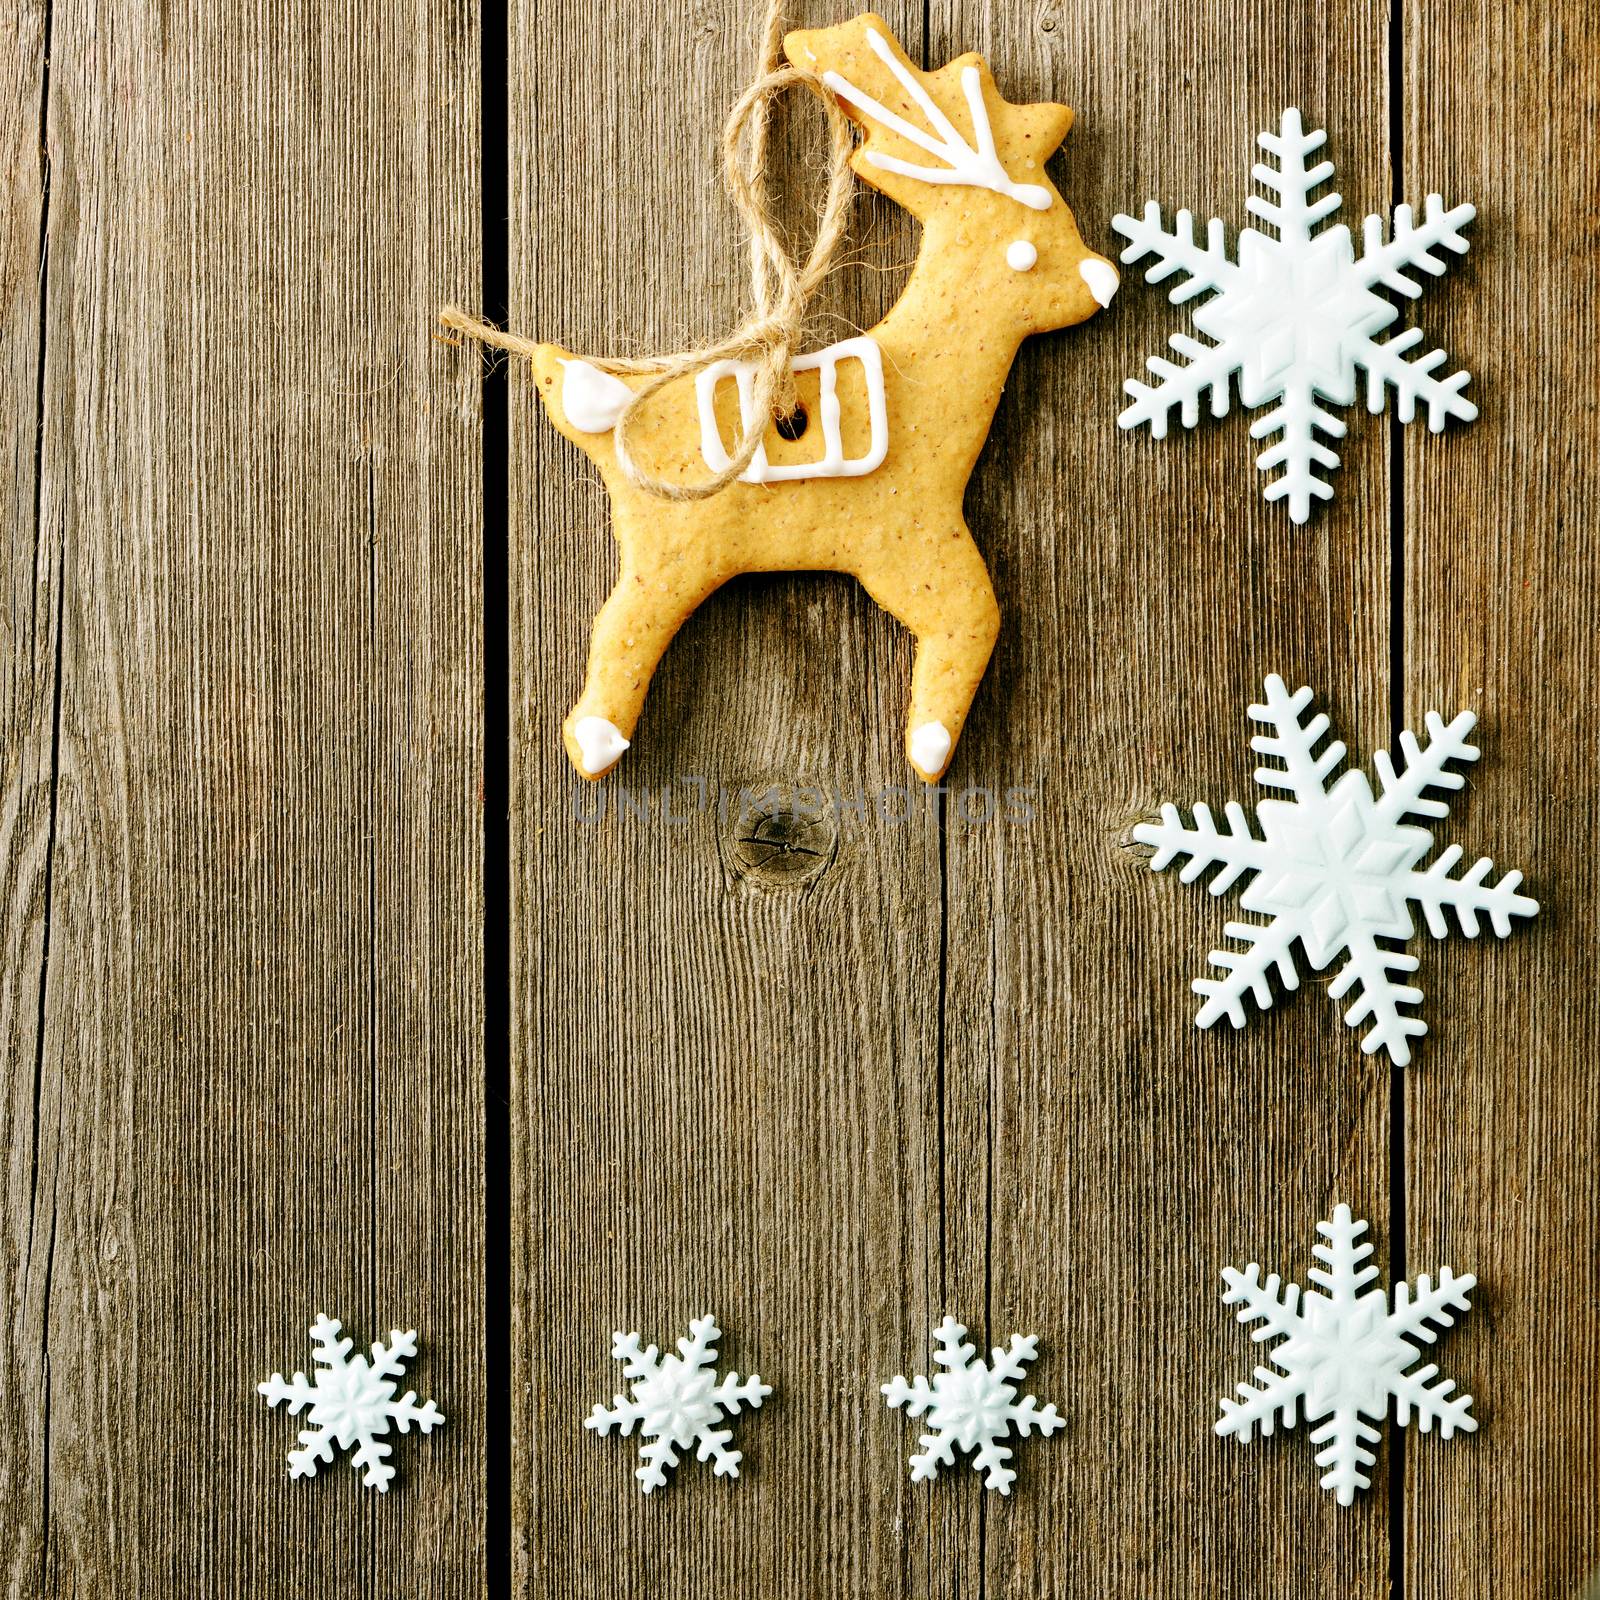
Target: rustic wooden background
(324,989)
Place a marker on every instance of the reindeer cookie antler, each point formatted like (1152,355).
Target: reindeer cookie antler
(976,164)
(892,420)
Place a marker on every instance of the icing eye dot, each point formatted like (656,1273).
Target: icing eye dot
(1020,255)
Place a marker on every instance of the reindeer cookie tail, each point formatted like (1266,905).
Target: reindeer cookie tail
(583,401)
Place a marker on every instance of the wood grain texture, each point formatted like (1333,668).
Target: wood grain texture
(244,852)
(827,1078)
(29,623)
(1107,1158)
(1084,1160)
(725,1077)
(958,1072)
(1500,617)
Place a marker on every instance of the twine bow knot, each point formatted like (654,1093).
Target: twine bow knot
(780,289)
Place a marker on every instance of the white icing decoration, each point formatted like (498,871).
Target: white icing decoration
(834,463)
(1102,280)
(592,400)
(601,743)
(1021,256)
(930,747)
(975,165)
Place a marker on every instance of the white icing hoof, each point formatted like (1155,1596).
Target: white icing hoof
(1102,279)
(601,743)
(930,748)
(592,401)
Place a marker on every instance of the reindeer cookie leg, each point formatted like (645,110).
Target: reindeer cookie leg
(631,634)
(948,603)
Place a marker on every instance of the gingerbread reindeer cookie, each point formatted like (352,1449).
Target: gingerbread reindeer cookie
(868,476)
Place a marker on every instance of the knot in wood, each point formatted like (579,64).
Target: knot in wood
(782,839)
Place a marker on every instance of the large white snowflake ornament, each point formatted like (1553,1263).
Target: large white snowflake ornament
(677,1403)
(1344,1354)
(1336,871)
(351,1402)
(1295,316)
(972,1406)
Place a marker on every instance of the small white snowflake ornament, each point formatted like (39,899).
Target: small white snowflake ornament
(351,1402)
(1336,871)
(1295,317)
(676,1403)
(971,1406)
(1345,1353)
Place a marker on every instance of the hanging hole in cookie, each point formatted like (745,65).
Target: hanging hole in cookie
(792,426)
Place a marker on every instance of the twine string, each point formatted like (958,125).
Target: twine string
(781,290)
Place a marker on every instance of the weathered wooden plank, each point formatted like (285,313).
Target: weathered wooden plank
(28,629)
(725,1088)
(1500,546)
(1106,1158)
(259,1093)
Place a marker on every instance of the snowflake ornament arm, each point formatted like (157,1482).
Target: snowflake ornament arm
(970,1406)
(1233,847)
(1277,1399)
(676,1404)
(1412,381)
(352,1402)
(1412,248)
(1304,773)
(1210,371)
(1295,317)
(1377,978)
(1296,213)
(1204,267)
(1335,868)
(1298,451)
(1426,767)
(1345,1355)
(1436,890)
(1414,1391)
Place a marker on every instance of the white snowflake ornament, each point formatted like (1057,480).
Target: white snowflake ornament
(1336,871)
(1295,317)
(676,1403)
(1344,1354)
(351,1402)
(972,1406)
